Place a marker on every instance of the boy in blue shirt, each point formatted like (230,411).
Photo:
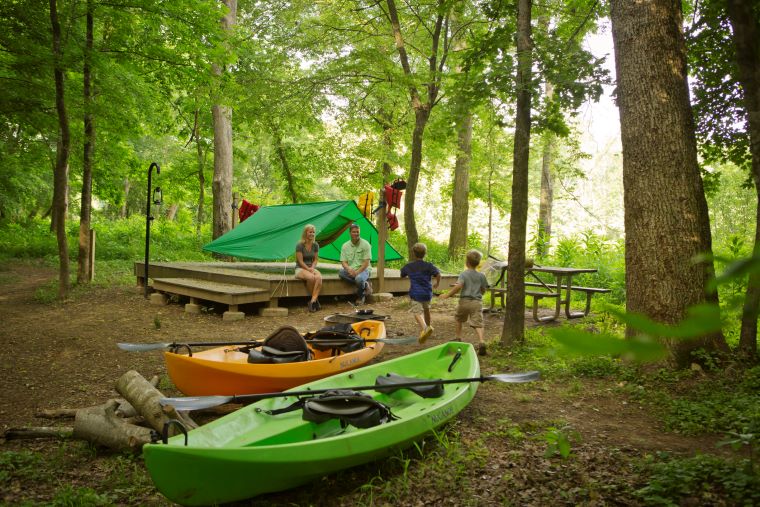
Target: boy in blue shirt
(421,273)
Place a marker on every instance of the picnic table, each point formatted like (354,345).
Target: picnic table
(563,282)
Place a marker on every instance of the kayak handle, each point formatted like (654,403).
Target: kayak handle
(170,423)
(457,357)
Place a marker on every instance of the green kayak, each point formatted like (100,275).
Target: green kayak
(252,451)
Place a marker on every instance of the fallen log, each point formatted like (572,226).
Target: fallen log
(144,397)
(101,426)
(61,433)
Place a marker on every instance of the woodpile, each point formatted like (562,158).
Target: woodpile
(122,424)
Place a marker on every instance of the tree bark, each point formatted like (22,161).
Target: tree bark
(222,116)
(747,41)
(101,426)
(547,190)
(145,399)
(124,211)
(83,272)
(421,109)
(201,175)
(460,203)
(63,146)
(514,311)
(666,220)
(290,180)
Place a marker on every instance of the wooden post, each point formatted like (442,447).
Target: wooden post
(382,234)
(91,274)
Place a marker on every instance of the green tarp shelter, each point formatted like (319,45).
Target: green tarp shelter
(273,231)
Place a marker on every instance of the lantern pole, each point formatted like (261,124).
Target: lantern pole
(148,218)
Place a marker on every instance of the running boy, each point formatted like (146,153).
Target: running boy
(420,274)
(473,285)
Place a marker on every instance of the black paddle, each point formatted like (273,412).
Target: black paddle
(201,402)
(144,347)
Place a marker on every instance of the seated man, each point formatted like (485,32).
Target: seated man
(355,256)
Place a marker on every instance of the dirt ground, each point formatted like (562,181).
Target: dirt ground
(63,355)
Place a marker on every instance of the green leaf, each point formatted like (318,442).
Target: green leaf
(578,342)
(700,320)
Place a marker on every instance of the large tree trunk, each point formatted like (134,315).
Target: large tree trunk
(547,189)
(666,220)
(747,41)
(460,202)
(222,114)
(201,175)
(421,109)
(421,115)
(514,312)
(61,175)
(83,272)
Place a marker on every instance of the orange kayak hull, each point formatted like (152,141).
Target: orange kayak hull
(225,371)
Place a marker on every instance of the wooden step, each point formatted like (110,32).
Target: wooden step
(227,293)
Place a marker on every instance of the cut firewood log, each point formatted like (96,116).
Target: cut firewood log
(101,426)
(61,433)
(56,413)
(145,399)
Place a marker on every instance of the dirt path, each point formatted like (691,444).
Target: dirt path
(63,355)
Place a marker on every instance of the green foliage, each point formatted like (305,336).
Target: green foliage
(701,480)
(70,496)
(559,441)
(723,404)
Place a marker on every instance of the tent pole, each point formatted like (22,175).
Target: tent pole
(382,234)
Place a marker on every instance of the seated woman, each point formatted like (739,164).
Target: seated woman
(307,256)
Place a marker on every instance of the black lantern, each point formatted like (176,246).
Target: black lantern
(157,198)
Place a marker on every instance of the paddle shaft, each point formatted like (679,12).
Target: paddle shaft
(403,385)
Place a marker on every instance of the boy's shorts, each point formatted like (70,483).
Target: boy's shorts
(418,307)
(472,309)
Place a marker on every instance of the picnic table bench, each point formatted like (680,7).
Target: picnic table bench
(563,281)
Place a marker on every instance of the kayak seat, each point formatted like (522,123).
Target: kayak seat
(390,382)
(336,332)
(286,345)
(349,407)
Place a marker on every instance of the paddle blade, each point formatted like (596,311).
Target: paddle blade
(143,347)
(195,402)
(515,378)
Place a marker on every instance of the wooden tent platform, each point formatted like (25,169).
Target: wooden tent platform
(238,283)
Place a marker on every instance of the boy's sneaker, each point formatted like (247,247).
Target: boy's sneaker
(367,289)
(482,349)
(317,306)
(360,300)
(425,334)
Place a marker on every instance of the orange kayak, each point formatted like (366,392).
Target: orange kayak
(226,370)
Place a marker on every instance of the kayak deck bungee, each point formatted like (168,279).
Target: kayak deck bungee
(226,370)
(250,451)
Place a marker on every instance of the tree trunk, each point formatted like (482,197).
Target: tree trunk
(290,180)
(421,115)
(666,220)
(460,203)
(222,114)
(83,272)
(61,174)
(201,175)
(747,41)
(421,109)
(547,190)
(124,211)
(514,311)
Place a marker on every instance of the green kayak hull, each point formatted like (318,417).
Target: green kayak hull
(250,452)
